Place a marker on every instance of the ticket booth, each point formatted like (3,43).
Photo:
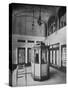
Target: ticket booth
(40,61)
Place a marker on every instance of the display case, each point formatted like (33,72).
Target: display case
(40,61)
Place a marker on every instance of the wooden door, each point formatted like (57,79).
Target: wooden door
(21,56)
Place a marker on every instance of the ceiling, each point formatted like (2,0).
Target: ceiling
(21,10)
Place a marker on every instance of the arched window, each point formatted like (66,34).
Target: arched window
(52,24)
(62,17)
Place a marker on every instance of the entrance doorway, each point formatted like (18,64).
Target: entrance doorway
(21,57)
(23,71)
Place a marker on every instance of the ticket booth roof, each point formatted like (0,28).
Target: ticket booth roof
(40,45)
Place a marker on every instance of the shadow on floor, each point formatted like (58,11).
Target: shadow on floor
(52,74)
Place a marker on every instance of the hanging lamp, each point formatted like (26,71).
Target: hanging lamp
(33,20)
(39,19)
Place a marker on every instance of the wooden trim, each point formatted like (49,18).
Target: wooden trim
(63,46)
(54,44)
(57,48)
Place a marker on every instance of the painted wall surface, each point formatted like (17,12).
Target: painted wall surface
(57,37)
(23,26)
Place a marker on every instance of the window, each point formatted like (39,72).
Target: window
(36,56)
(21,40)
(30,41)
(62,17)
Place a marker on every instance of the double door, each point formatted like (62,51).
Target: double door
(54,56)
(21,57)
(23,69)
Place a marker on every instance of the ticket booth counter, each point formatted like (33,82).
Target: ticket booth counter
(40,62)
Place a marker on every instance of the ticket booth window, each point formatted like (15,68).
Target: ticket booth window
(44,56)
(37,58)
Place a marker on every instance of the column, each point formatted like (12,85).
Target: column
(47,29)
(26,53)
(40,65)
(16,62)
(35,41)
(39,56)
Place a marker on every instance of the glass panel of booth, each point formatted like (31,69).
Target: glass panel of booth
(44,56)
(36,55)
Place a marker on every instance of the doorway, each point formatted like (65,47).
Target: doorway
(21,57)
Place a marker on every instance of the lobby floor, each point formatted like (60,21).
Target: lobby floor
(56,77)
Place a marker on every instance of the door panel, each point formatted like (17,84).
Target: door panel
(21,55)
(56,57)
(53,56)
(29,56)
(57,53)
(64,56)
